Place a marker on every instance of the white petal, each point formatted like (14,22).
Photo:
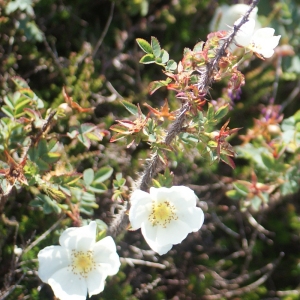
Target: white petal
(263,33)
(244,35)
(67,286)
(174,233)
(158,248)
(274,41)
(266,53)
(105,254)
(52,259)
(183,196)
(194,217)
(149,232)
(234,13)
(141,203)
(79,238)
(157,193)
(216,21)
(140,196)
(95,282)
(177,195)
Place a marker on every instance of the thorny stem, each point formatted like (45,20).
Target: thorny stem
(154,161)
(205,81)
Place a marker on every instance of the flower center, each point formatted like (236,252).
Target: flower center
(82,262)
(162,213)
(254,47)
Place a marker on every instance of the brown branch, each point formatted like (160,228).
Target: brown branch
(228,230)
(132,262)
(246,289)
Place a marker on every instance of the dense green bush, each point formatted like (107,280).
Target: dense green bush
(83,111)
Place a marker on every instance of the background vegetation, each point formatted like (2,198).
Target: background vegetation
(249,246)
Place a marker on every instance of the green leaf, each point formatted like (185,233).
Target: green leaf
(43,154)
(297,116)
(97,188)
(155,46)
(20,82)
(233,194)
(133,109)
(199,47)
(241,189)
(23,5)
(88,176)
(164,56)
(144,45)
(84,140)
(103,174)
(84,131)
(288,124)
(155,85)
(47,203)
(158,61)
(268,160)
(19,108)
(155,183)
(256,203)
(210,112)
(221,112)
(8,111)
(147,59)
(186,51)
(9,102)
(171,65)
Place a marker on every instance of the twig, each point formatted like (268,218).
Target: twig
(11,288)
(246,289)
(110,16)
(132,261)
(277,76)
(145,289)
(291,96)
(256,225)
(40,238)
(224,227)
(55,59)
(233,255)
(45,127)
(288,293)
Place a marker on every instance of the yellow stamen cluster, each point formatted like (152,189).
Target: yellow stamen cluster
(162,213)
(82,262)
(253,47)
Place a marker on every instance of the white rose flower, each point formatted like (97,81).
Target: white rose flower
(226,15)
(262,41)
(80,265)
(165,215)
